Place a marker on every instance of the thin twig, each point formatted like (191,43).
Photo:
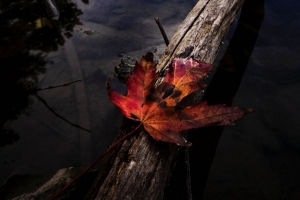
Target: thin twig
(96,161)
(162,30)
(188,181)
(59,116)
(56,86)
(188,175)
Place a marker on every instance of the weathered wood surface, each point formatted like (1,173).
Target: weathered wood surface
(202,31)
(140,168)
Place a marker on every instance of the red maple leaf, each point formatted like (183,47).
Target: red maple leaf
(157,108)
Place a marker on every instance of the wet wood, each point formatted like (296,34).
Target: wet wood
(141,167)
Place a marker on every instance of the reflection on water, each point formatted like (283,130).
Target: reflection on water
(82,44)
(259,69)
(259,158)
(22,54)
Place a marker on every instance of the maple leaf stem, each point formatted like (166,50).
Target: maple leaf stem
(96,161)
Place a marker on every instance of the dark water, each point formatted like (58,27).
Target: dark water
(258,158)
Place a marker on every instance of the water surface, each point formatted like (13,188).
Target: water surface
(258,67)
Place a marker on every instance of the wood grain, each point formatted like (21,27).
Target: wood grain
(141,167)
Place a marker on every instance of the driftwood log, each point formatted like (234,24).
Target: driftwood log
(141,167)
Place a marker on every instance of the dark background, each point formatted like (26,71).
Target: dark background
(258,67)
